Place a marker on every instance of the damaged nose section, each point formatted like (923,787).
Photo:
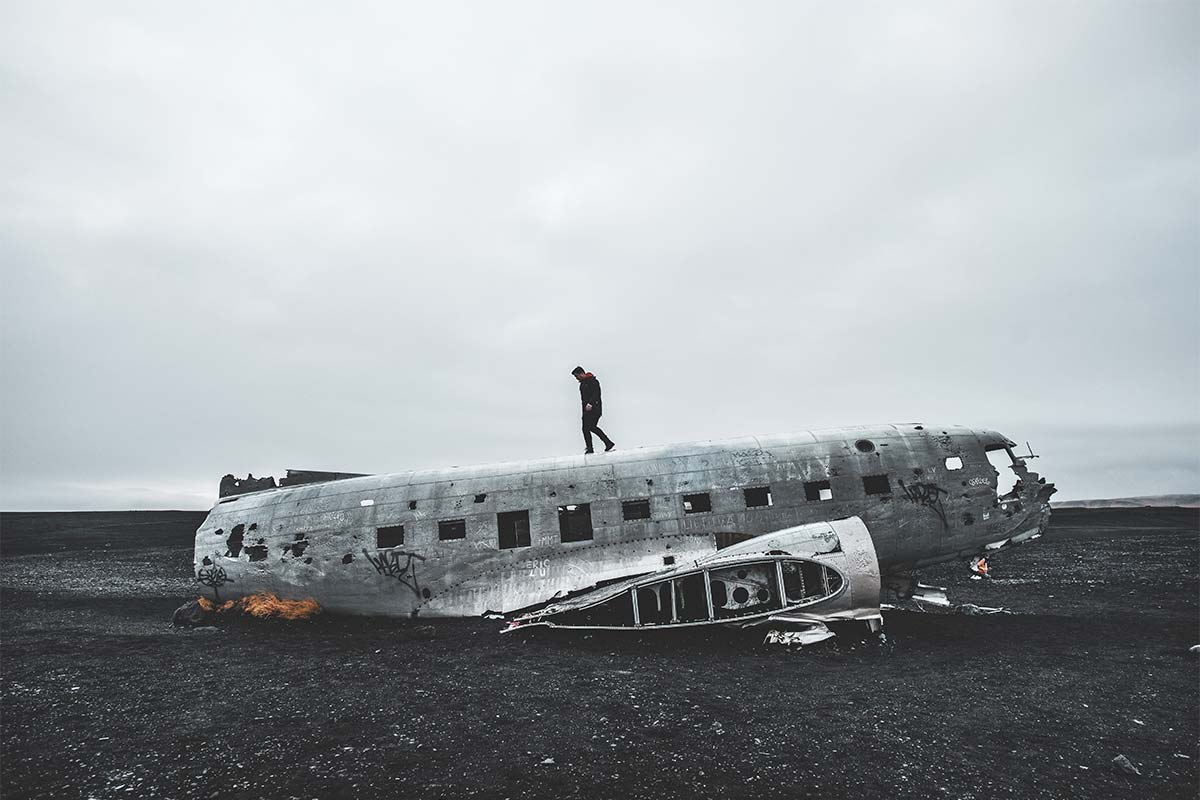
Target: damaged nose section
(1027,507)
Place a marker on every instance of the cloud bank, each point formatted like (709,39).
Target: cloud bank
(378,237)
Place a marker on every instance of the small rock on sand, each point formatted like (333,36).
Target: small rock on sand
(1123,764)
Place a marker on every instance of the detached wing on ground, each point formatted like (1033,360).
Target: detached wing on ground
(810,573)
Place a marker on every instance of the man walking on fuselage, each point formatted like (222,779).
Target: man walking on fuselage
(589,396)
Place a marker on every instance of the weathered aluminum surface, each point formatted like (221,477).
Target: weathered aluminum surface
(319,540)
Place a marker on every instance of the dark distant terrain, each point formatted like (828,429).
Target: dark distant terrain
(103,698)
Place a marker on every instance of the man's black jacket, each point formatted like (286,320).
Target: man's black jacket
(589,392)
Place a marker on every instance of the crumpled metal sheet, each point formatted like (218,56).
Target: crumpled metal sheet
(814,633)
(933,595)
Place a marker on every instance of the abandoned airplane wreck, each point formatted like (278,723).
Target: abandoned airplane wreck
(808,527)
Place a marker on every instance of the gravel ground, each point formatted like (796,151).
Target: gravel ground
(102,698)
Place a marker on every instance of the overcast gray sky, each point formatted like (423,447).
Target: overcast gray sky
(373,237)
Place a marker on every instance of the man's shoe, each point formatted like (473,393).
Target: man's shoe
(588,452)
(610,446)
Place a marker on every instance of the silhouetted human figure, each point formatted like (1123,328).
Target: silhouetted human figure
(589,397)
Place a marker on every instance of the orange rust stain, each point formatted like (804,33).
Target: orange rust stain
(266,606)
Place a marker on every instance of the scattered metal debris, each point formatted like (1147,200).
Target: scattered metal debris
(817,632)
(936,596)
(972,610)
(933,595)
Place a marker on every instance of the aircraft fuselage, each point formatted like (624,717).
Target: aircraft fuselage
(465,540)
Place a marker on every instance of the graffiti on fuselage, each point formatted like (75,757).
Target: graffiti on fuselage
(214,577)
(928,495)
(398,564)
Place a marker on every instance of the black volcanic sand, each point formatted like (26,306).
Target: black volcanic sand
(102,698)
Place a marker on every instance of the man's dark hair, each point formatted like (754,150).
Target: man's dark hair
(577,371)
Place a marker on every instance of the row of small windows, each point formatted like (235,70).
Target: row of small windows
(575,521)
(575,524)
(756,497)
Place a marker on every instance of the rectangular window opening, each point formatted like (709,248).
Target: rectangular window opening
(697,503)
(730,538)
(452,529)
(514,529)
(954,462)
(635,509)
(389,536)
(575,522)
(817,490)
(876,484)
(758,497)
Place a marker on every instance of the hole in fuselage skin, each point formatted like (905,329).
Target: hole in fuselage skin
(1003,461)
(425,593)
(257,552)
(234,542)
(207,561)
(346,559)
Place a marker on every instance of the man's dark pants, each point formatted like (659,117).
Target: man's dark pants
(590,420)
